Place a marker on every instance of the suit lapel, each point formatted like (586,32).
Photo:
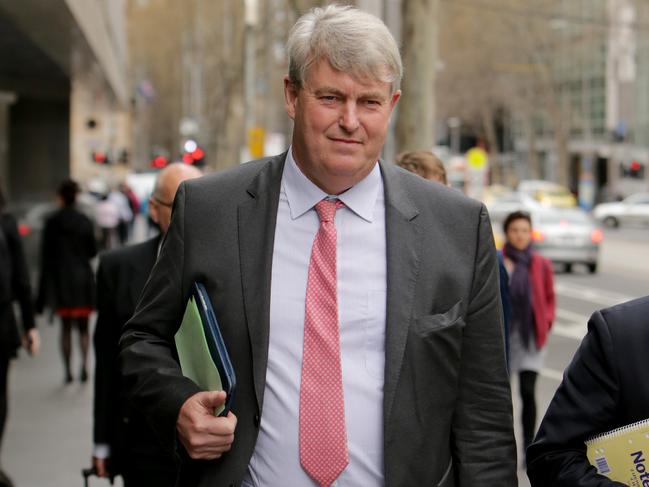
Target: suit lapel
(403,245)
(256,226)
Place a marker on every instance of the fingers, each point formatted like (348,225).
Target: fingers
(203,435)
(33,341)
(212,399)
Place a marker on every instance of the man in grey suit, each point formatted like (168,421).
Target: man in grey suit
(358,301)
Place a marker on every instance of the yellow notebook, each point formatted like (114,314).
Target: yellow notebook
(622,454)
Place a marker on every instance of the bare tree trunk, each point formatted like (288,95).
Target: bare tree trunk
(415,127)
(561,140)
(532,154)
(489,127)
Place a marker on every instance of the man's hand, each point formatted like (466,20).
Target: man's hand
(32,341)
(204,435)
(101,466)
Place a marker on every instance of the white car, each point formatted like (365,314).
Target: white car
(634,209)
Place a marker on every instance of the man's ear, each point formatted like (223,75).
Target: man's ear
(394,99)
(290,97)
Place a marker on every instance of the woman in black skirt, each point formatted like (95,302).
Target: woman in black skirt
(66,278)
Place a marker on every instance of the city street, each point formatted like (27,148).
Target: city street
(623,275)
(48,438)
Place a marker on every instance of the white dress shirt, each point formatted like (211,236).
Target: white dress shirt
(361,268)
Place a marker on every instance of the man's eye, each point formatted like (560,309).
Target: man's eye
(373,103)
(328,98)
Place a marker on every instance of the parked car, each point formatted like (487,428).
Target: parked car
(634,209)
(548,193)
(502,204)
(567,237)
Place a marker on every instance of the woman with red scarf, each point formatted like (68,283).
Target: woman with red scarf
(531,293)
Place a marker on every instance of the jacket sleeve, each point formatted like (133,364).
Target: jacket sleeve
(20,284)
(106,350)
(150,370)
(584,405)
(484,449)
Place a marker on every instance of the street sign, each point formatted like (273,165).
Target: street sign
(477,158)
(256,142)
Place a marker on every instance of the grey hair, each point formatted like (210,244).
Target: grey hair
(353,41)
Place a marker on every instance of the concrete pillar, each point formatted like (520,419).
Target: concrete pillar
(6,99)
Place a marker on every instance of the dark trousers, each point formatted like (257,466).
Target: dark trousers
(527,382)
(142,477)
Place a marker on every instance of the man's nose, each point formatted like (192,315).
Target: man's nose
(349,117)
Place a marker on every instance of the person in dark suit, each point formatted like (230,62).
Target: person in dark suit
(14,286)
(66,278)
(124,443)
(603,388)
(359,302)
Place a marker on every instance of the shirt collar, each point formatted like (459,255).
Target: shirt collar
(302,194)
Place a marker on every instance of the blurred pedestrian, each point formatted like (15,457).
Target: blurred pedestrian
(14,286)
(379,364)
(66,279)
(424,163)
(133,203)
(124,443)
(532,301)
(603,388)
(107,217)
(125,214)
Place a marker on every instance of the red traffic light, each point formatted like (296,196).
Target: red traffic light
(99,157)
(159,162)
(198,154)
(194,157)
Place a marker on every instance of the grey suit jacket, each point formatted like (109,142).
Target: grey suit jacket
(447,405)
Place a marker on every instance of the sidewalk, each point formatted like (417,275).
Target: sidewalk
(48,437)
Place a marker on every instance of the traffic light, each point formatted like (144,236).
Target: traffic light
(99,157)
(193,153)
(632,170)
(159,162)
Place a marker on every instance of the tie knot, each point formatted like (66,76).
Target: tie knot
(327,209)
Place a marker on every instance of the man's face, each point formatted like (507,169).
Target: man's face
(160,210)
(340,124)
(162,199)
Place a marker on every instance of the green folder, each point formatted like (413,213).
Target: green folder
(194,354)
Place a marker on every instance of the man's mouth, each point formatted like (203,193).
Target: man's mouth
(345,141)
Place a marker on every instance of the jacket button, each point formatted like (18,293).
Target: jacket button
(256,421)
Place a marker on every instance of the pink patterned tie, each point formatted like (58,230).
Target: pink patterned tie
(323,437)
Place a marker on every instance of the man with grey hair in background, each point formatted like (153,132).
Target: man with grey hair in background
(359,302)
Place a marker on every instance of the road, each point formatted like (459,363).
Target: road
(623,275)
(48,437)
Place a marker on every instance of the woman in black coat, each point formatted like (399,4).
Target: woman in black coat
(14,286)
(66,280)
